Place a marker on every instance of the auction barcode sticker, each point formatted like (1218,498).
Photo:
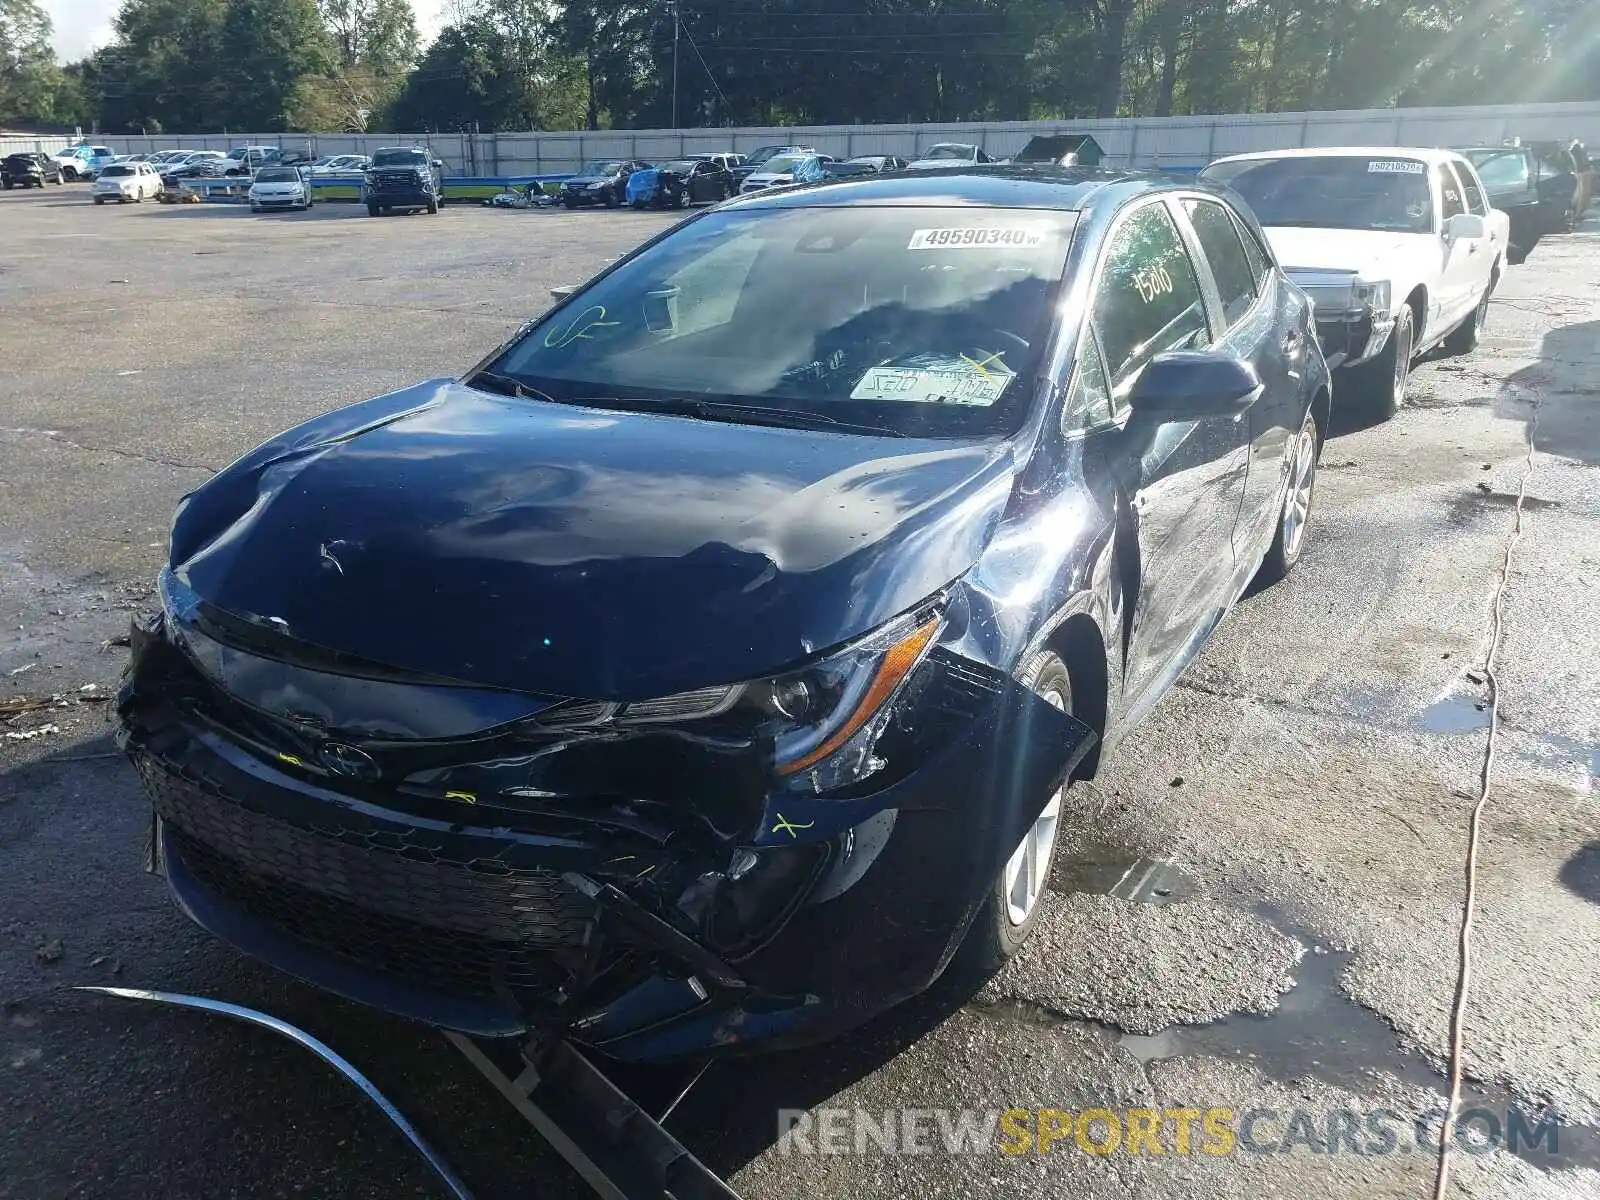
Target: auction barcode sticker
(1024,236)
(1394,166)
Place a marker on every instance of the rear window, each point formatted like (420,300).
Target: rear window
(927,321)
(1501,170)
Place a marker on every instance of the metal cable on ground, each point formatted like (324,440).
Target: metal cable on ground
(1441,1179)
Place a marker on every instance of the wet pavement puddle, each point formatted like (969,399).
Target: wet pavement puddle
(1453,715)
(1316,1032)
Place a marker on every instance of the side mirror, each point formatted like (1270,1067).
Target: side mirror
(1465,225)
(1187,385)
(562,291)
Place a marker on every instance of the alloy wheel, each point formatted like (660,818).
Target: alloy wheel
(1302,482)
(1405,338)
(1028,869)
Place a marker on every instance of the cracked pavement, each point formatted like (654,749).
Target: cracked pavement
(1256,908)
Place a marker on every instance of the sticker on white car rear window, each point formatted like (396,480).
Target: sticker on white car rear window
(1394,166)
(979,239)
(921,386)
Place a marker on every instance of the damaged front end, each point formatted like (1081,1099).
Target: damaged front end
(760,863)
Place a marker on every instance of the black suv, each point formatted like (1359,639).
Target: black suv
(406,177)
(28,169)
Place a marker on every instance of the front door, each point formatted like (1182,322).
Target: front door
(1459,282)
(1184,480)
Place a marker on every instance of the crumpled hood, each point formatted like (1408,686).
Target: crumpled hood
(562,550)
(1370,252)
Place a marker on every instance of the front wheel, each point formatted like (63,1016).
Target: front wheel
(372,210)
(69,175)
(99,199)
(1011,909)
(1379,386)
(611,199)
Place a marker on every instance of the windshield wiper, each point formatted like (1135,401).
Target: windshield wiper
(750,414)
(508,385)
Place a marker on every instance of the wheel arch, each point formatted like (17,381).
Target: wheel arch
(1417,302)
(1322,410)
(1081,646)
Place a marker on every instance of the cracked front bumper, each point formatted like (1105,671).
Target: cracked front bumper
(571,924)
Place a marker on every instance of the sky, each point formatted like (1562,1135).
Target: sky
(85,25)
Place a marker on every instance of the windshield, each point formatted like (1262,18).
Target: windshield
(765,152)
(1500,170)
(949,150)
(20,160)
(609,166)
(1337,192)
(782,164)
(399,158)
(277,175)
(922,321)
(682,168)
(114,171)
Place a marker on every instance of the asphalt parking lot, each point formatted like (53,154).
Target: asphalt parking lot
(1258,908)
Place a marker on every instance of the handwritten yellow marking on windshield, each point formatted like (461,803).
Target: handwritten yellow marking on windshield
(785,825)
(291,760)
(578,329)
(984,365)
(464,797)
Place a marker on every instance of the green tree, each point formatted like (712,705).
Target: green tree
(29,79)
(378,35)
(268,48)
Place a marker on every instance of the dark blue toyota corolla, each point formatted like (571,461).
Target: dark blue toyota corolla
(702,670)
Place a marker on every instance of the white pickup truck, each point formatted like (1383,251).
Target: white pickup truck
(1396,246)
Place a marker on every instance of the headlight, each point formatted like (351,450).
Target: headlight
(1342,293)
(823,720)
(1372,296)
(595,187)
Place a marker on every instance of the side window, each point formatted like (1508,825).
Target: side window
(1470,188)
(1147,300)
(1219,240)
(1450,191)
(1260,264)
(1088,401)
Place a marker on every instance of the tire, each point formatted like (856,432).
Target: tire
(569,203)
(1002,924)
(1464,337)
(1379,386)
(69,175)
(99,199)
(610,199)
(373,210)
(1289,542)
(7,185)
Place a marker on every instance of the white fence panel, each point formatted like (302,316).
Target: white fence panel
(1188,141)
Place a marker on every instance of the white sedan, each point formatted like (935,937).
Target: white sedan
(280,187)
(126,181)
(1397,247)
(342,164)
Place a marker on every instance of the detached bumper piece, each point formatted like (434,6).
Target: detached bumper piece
(620,1150)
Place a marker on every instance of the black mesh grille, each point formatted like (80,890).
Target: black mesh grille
(400,899)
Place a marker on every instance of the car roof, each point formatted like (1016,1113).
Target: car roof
(979,186)
(1429,154)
